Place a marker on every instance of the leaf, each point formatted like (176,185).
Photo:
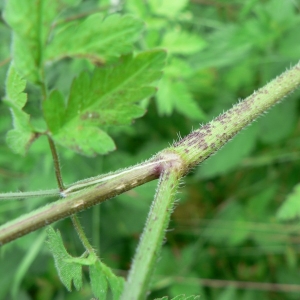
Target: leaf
(67,270)
(101,276)
(181,42)
(98,281)
(168,8)
(95,38)
(116,283)
(108,97)
(30,22)
(175,95)
(290,209)
(231,154)
(185,287)
(229,226)
(18,138)
(284,114)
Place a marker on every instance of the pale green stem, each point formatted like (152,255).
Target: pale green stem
(114,184)
(33,194)
(84,240)
(137,284)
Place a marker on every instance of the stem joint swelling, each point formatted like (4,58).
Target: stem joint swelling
(171,160)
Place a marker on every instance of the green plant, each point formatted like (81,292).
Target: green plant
(106,96)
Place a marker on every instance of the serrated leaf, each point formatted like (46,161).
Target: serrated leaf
(98,281)
(67,270)
(185,104)
(101,276)
(290,209)
(167,8)
(18,138)
(30,22)
(108,97)
(95,38)
(116,283)
(181,42)
(175,95)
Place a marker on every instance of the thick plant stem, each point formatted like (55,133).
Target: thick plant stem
(105,188)
(203,142)
(150,244)
(193,149)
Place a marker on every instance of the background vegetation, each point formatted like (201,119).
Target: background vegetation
(225,238)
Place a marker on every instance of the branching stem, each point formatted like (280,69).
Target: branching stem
(158,220)
(192,149)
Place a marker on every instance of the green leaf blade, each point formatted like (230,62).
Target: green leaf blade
(290,209)
(30,22)
(20,137)
(101,278)
(108,98)
(98,281)
(68,272)
(87,140)
(95,38)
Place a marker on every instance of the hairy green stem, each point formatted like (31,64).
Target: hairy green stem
(80,200)
(158,219)
(203,142)
(33,194)
(84,240)
(193,149)
(56,164)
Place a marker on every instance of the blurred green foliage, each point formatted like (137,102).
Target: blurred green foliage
(225,229)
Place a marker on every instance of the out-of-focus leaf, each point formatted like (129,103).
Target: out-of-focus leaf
(175,95)
(95,38)
(228,293)
(187,287)
(228,227)
(231,154)
(226,46)
(167,8)
(283,117)
(109,97)
(290,209)
(181,42)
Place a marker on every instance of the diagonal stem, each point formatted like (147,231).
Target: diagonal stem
(76,223)
(137,283)
(193,149)
(79,229)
